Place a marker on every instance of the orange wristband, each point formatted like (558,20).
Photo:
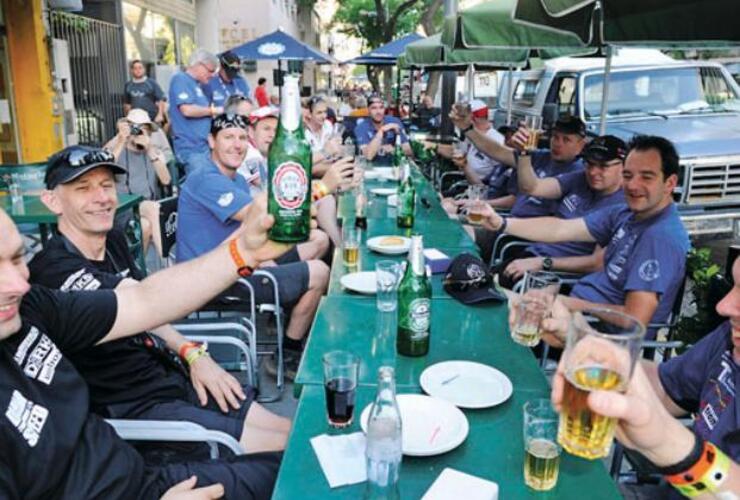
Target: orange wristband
(242,268)
(186,346)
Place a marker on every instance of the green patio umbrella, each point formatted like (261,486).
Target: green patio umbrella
(647,23)
(490,25)
(431,52)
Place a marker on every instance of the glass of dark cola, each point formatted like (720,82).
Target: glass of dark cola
(341,370)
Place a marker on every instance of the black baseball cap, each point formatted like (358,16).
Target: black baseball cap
(569,124)
(74,161)
(605,148)
(470,281)
(375,98)
(230,60)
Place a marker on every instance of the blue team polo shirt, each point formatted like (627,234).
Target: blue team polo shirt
(578,200)
(647,255)
(544,166)
(218,90)
(190,135)
(702,381)
(365,131)
(500,182)
(208,200)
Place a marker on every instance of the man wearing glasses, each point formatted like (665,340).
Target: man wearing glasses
(191,110)
(599,185)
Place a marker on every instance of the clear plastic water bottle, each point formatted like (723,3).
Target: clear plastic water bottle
(383,452)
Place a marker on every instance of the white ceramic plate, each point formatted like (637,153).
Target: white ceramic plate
(372,174)
(362,282)
(392,200)
(431,426)
(466,384)
(383,191)
(378,245)
(384,171)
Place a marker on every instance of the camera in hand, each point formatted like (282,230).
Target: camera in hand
(136,129)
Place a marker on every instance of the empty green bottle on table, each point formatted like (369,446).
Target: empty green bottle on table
(289,171)
(406,199)
(414,304)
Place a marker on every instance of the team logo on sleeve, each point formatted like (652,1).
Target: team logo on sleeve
(225,199)
(28,417)
(649,270)
(182,95)
(80,280)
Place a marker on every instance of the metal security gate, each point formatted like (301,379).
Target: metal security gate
(98,67)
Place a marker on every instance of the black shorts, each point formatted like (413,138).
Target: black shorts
(243,477)
(210,416)
(292,282)
(290,256)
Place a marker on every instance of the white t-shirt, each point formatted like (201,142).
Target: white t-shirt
(318,140)
(481,163)
(254,169)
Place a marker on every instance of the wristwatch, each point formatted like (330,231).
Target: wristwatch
(547,263)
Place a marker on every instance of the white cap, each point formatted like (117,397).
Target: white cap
(263,112)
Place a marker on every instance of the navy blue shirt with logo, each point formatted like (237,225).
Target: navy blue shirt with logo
(577,200)
(143,95)
(217,90)
(544,166)
(640,255)
(703,381)
(500,182)
(208,200)
(365,131)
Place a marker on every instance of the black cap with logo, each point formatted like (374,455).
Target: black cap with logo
(230,62)
(74,161)
(605,148)
(470,281)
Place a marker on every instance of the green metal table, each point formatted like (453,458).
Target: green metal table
(493,450)
(475,333)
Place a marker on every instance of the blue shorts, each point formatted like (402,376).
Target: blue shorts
(245,477)
(209,416)
(292,279)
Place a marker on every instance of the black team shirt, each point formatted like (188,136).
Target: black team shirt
(50,446)
(123,372)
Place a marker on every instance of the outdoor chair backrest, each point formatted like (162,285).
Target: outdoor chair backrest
(30,176)
(168,224)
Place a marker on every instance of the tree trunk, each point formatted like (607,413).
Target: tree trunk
(427,18)
(387,84)
(372,76)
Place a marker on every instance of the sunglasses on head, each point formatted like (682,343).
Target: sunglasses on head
(463,285)
(82,158)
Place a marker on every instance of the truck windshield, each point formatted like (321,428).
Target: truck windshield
(660,91)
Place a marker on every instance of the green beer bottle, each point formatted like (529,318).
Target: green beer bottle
(406,199)
(289,171)
(414,304)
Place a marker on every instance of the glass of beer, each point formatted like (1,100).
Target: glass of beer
(534,127)
(475,209)
(341,369)
(539,291)
(600,353)
(350,245)
(541,450)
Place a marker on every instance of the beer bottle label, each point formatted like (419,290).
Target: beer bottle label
(290,185)
(419,312)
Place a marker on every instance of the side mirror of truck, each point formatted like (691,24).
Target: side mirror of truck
(549,114)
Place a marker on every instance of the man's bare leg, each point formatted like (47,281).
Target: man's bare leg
(304,310)
(316,248)
(326,217)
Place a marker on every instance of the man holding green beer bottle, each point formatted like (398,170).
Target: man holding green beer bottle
(213,203)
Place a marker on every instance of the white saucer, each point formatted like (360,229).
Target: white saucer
(466,384)
(431,426)
(383,191)
(376,245)
(361,282)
